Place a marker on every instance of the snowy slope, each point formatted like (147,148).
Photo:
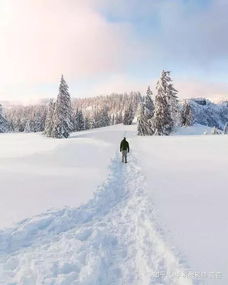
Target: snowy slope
(172,193)
(187,178)
(113,239)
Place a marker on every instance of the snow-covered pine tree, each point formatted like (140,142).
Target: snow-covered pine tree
(162,121)
(4,125)
(173,101)
(103,117)
(128,115)
(29,126)
(146,113)
(144,126)
(79,123)
(148,104)
(166,86)
(186,115)
(87,124)
(49,122)
(62,118)
(225,131)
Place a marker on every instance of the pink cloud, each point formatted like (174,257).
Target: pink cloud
(198,88)
(41,39)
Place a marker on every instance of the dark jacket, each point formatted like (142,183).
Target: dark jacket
(124,145)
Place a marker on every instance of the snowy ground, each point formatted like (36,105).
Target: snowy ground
(157,220)
(38,173)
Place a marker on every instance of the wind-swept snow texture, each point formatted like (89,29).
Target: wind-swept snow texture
(113,239)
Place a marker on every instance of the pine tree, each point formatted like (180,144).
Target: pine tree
(62,117)
(162,121)
(87,123)
(49,122)
(148,104)
(173,100)
(166,88)
(144,126)
(128,115)
(4,125)
(186,115)
(79,123)
(103,117)
(146,113)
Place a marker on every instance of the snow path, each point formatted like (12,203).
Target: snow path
(113,239)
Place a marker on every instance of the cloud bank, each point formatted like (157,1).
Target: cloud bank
(117,44)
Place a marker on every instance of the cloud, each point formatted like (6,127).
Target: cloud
(191,34)
(179,32)
(41,39)
(198,88)
(119,44)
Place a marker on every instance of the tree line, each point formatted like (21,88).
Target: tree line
(57,118)
(157,114)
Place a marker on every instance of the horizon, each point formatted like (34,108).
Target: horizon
(104,48)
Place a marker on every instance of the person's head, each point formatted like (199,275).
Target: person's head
(124,138)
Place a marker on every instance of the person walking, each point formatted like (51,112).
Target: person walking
(124,148)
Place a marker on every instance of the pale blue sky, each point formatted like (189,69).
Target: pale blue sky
(112,46)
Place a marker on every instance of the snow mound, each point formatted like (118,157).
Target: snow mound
(113,239)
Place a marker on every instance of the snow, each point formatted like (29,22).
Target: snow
(38,173)
(103,242)
(159,219)
(187,178)
(194,130)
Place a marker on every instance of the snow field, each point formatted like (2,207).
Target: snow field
(38,173)
(126,232)
(113,239)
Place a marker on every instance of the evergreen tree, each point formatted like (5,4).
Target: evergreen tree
(146,113)
(148,104)
(103,117)
(166,89)
(128,115)
(162,121)
(62,124)
(49,122)
(144,126)
(186,115)
(4,125)
(87,123)
(79,123)
(173,100)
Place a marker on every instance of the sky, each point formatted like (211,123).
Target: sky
(105,46)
